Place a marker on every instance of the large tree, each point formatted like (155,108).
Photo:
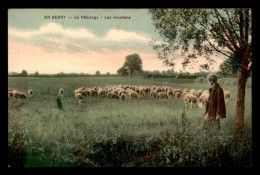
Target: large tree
(133,63)
(24,73)
(204,32)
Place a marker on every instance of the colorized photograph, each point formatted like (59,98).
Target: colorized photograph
(159,87)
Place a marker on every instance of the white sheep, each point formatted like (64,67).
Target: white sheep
(193,92)
(203,100)
(112,95)
(190,98)
(169,93)
(178,94)
(184,93)
(11,93)
(78,90)
(17,94)
(123,96)
(101,93)
(185,90)
(199,92)
(133,95)
(147,90)
(141,93)
(91,91)
(61,92)
(158,89)
(227,95)
(30,93)
(162,95)
(153,93)
(78,97)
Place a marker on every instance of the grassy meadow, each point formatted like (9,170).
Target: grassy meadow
(114,133)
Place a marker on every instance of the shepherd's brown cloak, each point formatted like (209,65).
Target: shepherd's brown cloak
(216,103)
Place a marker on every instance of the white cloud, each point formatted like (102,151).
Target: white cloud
(52,28)
(79,33)
(122,35)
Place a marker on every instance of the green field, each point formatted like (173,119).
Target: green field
(114,133)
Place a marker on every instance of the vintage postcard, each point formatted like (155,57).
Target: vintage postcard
(129,87)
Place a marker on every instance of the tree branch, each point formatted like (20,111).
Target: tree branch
(212,45)
(213,33)
(216,36)
(247,25)
(231,24)
(228,35)
(241,26)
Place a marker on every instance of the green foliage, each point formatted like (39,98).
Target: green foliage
(122,71)
(229,66)
(132,63)
(36,74)
(24,73)
(97,73)
(107,132)
(201,32)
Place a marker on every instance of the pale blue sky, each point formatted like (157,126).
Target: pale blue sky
(32,19)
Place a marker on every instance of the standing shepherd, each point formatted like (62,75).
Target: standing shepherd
(216,108)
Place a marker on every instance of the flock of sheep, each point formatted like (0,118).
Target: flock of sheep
(125,92)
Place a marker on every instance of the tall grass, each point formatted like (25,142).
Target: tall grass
(107,132)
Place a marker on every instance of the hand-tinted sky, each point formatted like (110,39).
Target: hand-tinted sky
(36,43)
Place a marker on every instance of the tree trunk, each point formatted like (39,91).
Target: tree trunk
(239,120)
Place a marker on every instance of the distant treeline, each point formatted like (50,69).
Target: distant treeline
(62,75)
(144,74)
(186,75)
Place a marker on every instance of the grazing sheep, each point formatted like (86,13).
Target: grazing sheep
(227,95)
(169,93)
(17,94)
(190,98)
(178,95)
(101,93)
(178,90)
(193,92)
(123,96)
(61,92)
(199,92)
(133,95)
(112,95)
(162,95)
(184,93)
(79,90)
(153,93)
(152,88)
(78,97)
(185,90)
(11,92)
(30,93)
(158,89)
(91,92)
(141,93)
(82,91)
(146,90)
(203,99)
(121,91)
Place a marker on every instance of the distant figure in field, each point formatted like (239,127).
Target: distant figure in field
(216,108)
